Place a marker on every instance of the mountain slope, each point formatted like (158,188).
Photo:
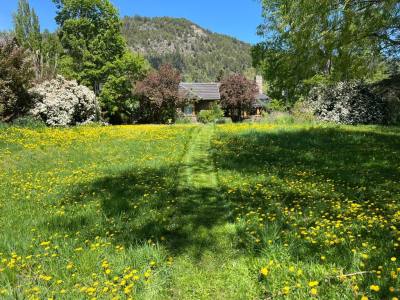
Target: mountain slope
(198,53)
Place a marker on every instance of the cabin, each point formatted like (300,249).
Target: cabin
(201,96)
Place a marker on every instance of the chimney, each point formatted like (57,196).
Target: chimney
(259,82)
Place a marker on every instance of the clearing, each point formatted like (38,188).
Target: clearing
(237,211)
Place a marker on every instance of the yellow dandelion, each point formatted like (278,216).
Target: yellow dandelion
(313,283)
(314,291)
(375,288)
(264,271)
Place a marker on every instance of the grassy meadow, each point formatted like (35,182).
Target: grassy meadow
(237,211)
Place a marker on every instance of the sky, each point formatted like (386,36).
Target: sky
(237,18)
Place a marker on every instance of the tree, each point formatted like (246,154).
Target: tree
(329,40)
(118,93)
(159,94)
(238,94)
(90,35)
(27,27)
(16,75)
(44,47)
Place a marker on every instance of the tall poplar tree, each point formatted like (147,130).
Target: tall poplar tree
(44,47)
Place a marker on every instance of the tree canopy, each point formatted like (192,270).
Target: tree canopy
(237,95)
(329,40)
(159,93)
(15,79)
(90,33)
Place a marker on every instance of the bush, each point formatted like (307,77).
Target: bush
(347,103)
(224,121)
(276,105)
(183,120)
(212,115)
(16,74)
(277,117)
(60,102)
(302,112)
(389,90)
(29,121)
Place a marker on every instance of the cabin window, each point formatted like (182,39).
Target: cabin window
(188,110)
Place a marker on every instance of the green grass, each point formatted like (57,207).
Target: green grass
(196,212)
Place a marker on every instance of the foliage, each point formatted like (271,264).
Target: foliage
(117,97)
(225,120)
(232,211)
(60,103)
(90,35)
(45,48)
(302,112)
(198,54)
(237,95)
(276,105)
(347,103)
(389,91)
(27,27)
(211,115)
(159,95)
(29,122)
(278,117)
(325,40)
(15,79)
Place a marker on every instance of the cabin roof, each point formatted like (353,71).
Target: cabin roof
(201,91)
(210,91)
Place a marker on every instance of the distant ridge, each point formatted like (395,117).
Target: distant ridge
(199,54)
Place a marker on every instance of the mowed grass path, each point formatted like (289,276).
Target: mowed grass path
(200,212)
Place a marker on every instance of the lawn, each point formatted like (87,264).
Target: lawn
(236,211)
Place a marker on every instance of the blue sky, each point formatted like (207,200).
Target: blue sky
(238,18)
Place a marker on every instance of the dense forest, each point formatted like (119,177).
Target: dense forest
(199,54)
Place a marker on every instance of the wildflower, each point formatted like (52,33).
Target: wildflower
(45,278)
(364,297)
(314,291)
(286,290)
(375,288)
(313,283)
(264,271)
(393,259)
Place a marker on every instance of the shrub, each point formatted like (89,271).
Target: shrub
(276,105)
(389,90)
(16,74)
(302,112)
(212,115)
(224,121)
(347,103)
(183,120)
(29,121)
(277,117)
(60,102)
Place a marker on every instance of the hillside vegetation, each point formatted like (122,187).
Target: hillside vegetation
(198,53)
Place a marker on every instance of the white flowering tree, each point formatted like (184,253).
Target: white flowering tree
(60,102)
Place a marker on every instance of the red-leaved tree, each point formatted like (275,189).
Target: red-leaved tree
(159,95)
(237,95)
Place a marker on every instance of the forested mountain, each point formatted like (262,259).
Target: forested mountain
(199,54)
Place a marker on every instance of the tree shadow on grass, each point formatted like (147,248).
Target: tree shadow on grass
(354,158)
(137,207)
(313,170)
